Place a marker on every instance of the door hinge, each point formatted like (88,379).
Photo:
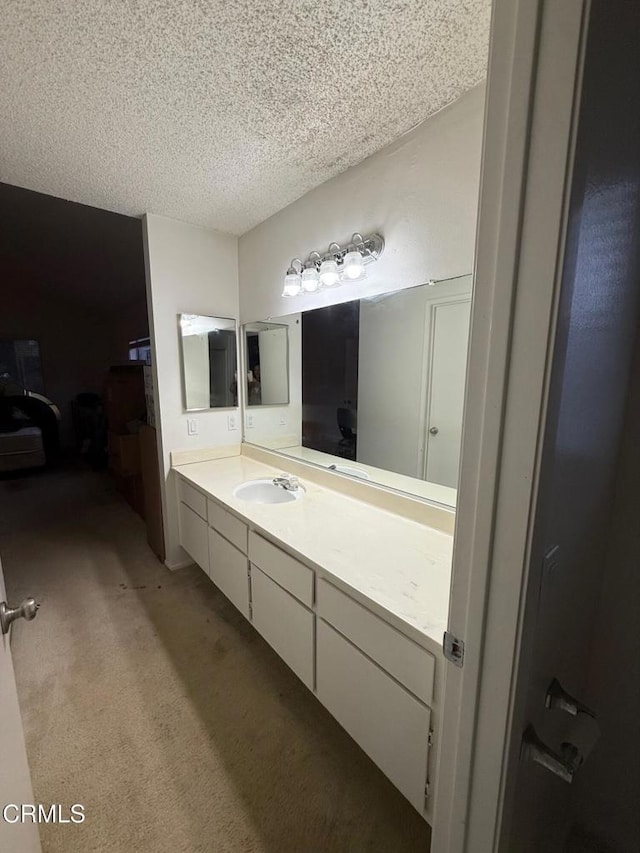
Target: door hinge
(430,737)
(427,790)
(453,648)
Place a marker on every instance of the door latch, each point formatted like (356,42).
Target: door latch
(453,648)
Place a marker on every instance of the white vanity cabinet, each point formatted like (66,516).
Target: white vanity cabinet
(193,524)
(376,681)
(227,525)
(282,568)
(229,570)
(285,624)
(217,541)
(390,725)
(379,685)
(228,564)
(404,660)
(281,601)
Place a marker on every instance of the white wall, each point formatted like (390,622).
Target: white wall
(421,194)
(189,270)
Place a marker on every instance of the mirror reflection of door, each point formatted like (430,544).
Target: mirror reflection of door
(274,381)
(209,362)
(222,367)
(448,364)
(267,364)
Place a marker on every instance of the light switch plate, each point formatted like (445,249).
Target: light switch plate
(192,426)
(232,421)
(250,423)
(283,419)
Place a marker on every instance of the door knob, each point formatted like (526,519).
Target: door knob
(558,698)
(27,610)
(563,764)
(434,430)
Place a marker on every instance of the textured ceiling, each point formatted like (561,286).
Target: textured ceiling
(220,113)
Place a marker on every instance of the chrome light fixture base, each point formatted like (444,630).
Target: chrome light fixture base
(369,248)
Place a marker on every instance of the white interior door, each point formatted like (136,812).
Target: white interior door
(548,785)
(15,779)
(450,325)
(521,610)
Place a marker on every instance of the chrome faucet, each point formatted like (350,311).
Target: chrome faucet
(287,482)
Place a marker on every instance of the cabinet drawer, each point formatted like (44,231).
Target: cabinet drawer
(231,527)
(408,662)
(390,725)
(285,570)
(284,623)
(228,569)
(193,536)
(192,497)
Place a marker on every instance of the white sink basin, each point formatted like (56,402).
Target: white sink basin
(266,492)
(352,472)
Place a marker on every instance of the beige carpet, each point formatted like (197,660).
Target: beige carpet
(147,698)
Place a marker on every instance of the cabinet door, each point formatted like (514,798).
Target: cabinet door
(234,530)
(281,567)
(405,660)
(390,725)
(193,536)
(229,570)
(284,623)
(192,498)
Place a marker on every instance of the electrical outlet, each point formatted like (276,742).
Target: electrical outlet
(232,421)
(249,421)
(192,426)
(283,419)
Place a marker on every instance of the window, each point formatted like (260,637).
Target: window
(140,350)
(20,366)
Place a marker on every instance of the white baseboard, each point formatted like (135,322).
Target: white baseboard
(173,567)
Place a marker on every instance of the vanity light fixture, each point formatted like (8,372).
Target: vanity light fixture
(293,279)
(353,266)
(329,274)
(310,279)
(339,264)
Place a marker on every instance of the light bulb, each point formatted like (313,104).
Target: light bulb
(309,279)
(292,284)
(329,274)
(353,267)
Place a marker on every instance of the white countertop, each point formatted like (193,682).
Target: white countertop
(397,567)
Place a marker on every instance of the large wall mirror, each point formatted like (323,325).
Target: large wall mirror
(209,362)
(377,388)
(267,364)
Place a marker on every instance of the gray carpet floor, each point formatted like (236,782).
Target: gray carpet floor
(147,698)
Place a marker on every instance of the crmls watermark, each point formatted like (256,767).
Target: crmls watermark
(37,813)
